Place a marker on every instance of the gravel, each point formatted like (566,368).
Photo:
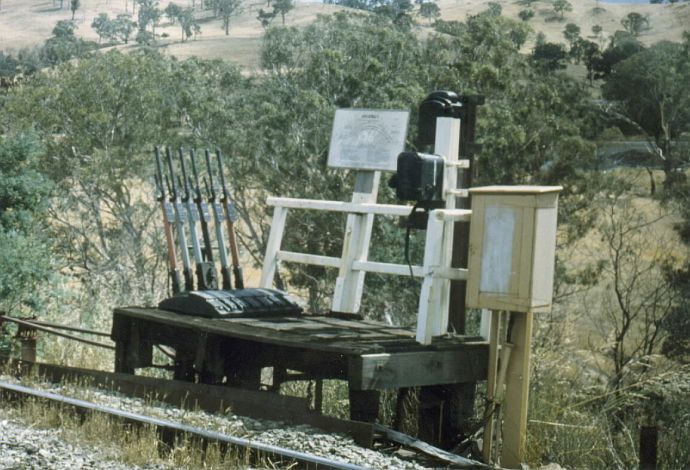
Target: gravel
(26,448)
(301,438)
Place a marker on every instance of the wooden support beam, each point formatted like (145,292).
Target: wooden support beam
(491,385)
(272,246)
(412,369)
(347,295)
(517,391)
(338,206)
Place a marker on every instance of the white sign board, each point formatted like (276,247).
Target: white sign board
(367,139)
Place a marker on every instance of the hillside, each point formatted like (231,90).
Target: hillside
(25,24)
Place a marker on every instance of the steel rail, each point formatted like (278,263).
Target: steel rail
(173,429)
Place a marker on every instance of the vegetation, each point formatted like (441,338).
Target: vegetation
(78,223)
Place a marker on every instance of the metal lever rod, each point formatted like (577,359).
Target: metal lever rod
(168,222)
(230,217)
(205,219)
(202,272)
(219,219)
(180,216)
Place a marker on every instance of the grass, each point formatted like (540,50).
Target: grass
(133,445)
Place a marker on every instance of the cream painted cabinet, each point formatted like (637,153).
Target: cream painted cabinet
(512,247)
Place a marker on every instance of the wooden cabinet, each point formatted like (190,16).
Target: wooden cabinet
(512,247)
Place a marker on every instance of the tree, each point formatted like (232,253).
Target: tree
(74,6)
(186,19)
(149,14)
(571,33)
(597,33)
(549,56)
(25,260)
(63,45)
(172,11)
(635,23)
(99,118)
(590,55)
(526,15)
(677,325)
(265,17)
(399,11)
(118,29)
(123,27)
(623,45)
(429,10)
(102,25)
(638,298)
(226,9)
(650,93)
(282,7)
(494,9)
(561,7)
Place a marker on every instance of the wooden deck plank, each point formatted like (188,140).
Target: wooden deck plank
(319,333)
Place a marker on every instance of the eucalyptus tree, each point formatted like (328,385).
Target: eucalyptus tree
(74,6)
(635,23)
(226,9)
(561,7)
(25,258)
(98,119)
(282,8)
(430,11)
(648,91)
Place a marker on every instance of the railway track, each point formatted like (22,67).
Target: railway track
(212,399)
(169,431)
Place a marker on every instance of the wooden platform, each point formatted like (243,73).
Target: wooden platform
(370,355)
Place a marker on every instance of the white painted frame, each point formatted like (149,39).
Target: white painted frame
(353,263)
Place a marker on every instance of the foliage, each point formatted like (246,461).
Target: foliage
(8,65)
(571,34)
(526,15)
(588,52)
(188,23)
(91,121)
(74,6)
(398,11)
(265,17)
(172,11)
(63,45)
(635,23)
(549,56)
(623,45)
(641,299)
(282,7)
(561,7)
(429,10)
(650,94)
(226,9)
(113,30)
(494,9)
(25,260)
(149,14)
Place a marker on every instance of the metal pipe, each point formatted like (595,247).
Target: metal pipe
(56,333)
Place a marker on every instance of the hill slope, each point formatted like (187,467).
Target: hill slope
(25,24)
